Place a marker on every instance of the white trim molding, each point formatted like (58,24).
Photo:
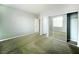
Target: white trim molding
(14,37)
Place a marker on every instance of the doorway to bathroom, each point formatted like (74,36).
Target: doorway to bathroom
(72,27)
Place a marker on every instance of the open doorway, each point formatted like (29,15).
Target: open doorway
(72,27)
(37,25)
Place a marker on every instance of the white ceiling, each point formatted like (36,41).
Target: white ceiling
(39,8)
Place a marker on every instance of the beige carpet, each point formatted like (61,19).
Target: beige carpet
(36,44)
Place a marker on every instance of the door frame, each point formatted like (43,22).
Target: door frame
(68,26)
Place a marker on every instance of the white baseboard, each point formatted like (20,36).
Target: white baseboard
(14,37)
(68,43)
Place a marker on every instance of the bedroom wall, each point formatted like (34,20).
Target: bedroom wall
(14,22)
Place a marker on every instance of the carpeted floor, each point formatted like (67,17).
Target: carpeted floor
(60,35)
(37,44)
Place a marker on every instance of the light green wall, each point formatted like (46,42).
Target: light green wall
(14,22)
(3,15)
